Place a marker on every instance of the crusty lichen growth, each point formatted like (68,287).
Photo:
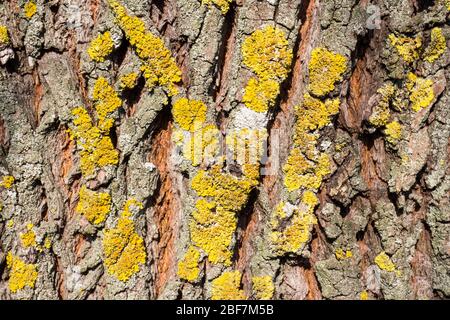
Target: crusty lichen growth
(246,146)
(123,248)
(407,48)
(97,150)
(203,145)
(381,113)
(421,92)
(214,220)
(393,132)
(291,227)
(159,67)
(188,267)
(30,9)
(189,114)
(260,95)
(4,36)
(263,287)
(94,206)
(305,166)
(437,46)
(227,287)
(129,80)
(266,52)
(325,69)
(342,254)
(101,47)
(7,182)
(21,275)
(384,262)
(364,295)
(223,5)
(28,238)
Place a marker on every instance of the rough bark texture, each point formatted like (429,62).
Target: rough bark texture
(385,196)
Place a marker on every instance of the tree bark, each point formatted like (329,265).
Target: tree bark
(380,229)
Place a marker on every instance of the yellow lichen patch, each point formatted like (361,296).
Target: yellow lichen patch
(314,114)
(97,150)
(10,223)
(94,206)
(381,114)
(266,52)
(22,274)
(310,199)
(4,37)
(300,172)
(7,182)
(305,166)
(178,137)
(227,287)
(223,5)
(364,295)
(30,9)
(106,102)
(263,287)
(393,132)
(342,255)
(189,114)
(203,145)
(123,248)
(214,220)
(246,145)
(296,233)
(421,93)
(229,192)
(47,242)
(129,80)
(437,46)
(101,47)
(260,95)
(28,238)
(407,48)
(325,69)
(188,267)
(159,67)
(384,262)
